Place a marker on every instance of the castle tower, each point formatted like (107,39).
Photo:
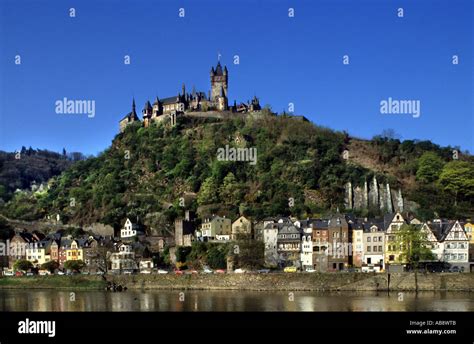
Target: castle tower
(147,112)
(157,108)
(219,83)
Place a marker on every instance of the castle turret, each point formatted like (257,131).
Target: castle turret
(157,108)
(133,107)
(219,84)
(147,113)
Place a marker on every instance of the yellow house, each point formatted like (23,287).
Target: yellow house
(74,251)
(469,229)
(392,223)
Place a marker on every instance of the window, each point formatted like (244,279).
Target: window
(369,260)
(334,266)
(391,258)
(368,248)
(369,239)
(380,249)
(380,238)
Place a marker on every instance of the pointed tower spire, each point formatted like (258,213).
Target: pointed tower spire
(133,105)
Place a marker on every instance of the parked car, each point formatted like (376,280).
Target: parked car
(99,273)
(30,274)
(263,271)
(220,271)
(85,273)
(239,271)
(178,272)
(290,269)
(310,270)
(207,271)
(127,272)
(59,272)
(44,272)
(145,272)
(8,273)
(19,273)
(162,272)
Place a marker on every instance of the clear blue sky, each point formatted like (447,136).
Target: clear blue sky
(282,60)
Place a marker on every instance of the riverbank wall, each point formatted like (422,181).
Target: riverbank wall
(263,282)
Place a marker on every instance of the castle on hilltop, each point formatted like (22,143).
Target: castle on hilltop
(168,109)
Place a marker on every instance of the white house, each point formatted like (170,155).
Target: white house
(307,251)
(433,232)
(373,246)
(130,230)
(456,246)
(124,258)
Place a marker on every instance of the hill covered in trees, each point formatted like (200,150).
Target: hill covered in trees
(154,173)
(19,170)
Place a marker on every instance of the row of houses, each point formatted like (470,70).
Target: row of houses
(97,252)
(336,243)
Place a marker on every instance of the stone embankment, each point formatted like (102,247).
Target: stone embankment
(264,282)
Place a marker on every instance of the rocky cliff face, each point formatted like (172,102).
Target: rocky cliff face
(373,195)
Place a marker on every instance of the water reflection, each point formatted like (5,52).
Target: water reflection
(231,301)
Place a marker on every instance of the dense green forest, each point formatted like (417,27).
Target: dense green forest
(20,169)
(154,173)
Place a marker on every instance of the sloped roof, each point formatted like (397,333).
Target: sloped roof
(131,116)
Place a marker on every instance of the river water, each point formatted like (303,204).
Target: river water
(230,301)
